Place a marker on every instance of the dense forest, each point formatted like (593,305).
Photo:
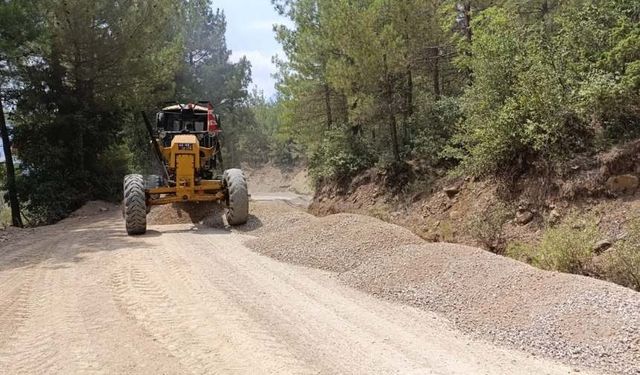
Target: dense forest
(475,86)
(75,76)
(482,87)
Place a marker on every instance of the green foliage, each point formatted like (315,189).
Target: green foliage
(205,72)
(359,64)
(436,123)
(50,195)
(281,146)
(547,85)
(114,164)
(340,156)
(494,85)
(78,73)
(567,247)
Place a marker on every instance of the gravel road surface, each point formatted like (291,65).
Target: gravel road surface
(82,297)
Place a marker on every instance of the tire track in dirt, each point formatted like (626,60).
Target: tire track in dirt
(14,298)
(322,320)
(157,313)
(20,277)
(245,343)
(56,316)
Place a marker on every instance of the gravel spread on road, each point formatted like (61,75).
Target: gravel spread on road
(206,213)
(330,243)
(575,319)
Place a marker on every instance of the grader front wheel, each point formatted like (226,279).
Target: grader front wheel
(135,206)
(237,197)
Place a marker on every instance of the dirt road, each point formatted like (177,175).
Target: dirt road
(82,297)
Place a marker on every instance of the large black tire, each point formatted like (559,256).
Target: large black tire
(237,197)
(135,205)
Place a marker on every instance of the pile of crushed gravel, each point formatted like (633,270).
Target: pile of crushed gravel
(271,218)
(578,320)
(210,214)
(329,243)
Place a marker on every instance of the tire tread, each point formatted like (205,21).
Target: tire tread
(238,194)
(135,206)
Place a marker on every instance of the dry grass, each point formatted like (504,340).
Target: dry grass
(622,263)
(5,216)
(488,227)
(567,247)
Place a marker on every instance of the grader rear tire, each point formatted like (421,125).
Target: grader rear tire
(135,206)
(237,197)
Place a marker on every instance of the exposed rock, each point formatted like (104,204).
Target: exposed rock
(456,214)
(601,246)
(622,184)
(579,225)
(524,217)
(452,190)
(622,236)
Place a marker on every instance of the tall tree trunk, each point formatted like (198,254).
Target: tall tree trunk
(391,117)
(407,110)
(394,136)
(16,219)
(327,103)
(436,72)
(344,108)
(467,21)
(408,103)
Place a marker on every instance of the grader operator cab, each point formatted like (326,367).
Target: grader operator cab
(186,140)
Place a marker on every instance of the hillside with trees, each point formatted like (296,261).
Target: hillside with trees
(506,124)
(483,87)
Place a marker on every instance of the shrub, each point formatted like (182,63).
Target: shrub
(339,156)
(622,263)
(5,215)
(487,227)
(565,248)
(543,91)
(435,123)
(521,251)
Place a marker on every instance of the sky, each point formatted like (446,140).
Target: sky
(250,33)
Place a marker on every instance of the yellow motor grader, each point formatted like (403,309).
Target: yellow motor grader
(186,140)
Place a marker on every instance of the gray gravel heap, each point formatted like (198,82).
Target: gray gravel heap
(575,319)
(331,243)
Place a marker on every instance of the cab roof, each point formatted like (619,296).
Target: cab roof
(177,107)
